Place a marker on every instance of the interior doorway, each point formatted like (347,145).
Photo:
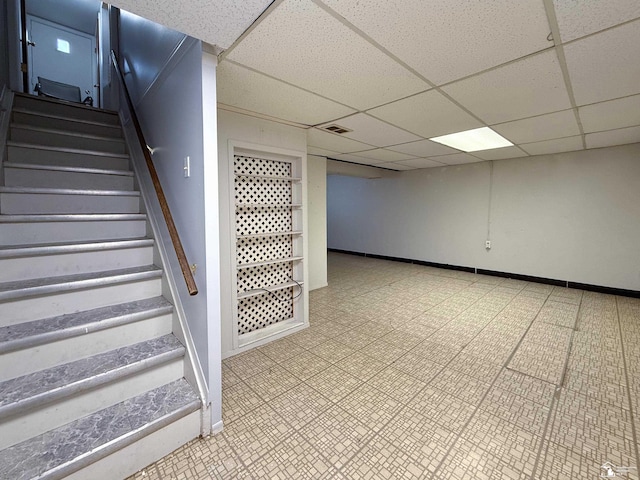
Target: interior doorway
(63,44)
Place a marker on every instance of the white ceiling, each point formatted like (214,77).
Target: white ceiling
(549,75)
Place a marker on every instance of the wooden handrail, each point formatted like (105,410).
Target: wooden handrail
(173,231)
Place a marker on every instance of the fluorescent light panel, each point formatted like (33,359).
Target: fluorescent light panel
(473,140)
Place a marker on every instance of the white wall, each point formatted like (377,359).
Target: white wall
(244,128)
(317,204)
(572,216)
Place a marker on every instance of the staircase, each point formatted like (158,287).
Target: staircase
(91,376)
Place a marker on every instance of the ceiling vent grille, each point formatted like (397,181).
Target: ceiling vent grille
(336,129)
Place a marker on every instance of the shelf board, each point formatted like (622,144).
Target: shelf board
(273,288)
(269,262)
(268,205)
(270,234)
(268,177)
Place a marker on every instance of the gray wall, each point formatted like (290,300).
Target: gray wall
(165,81)
(4,47)
(571,216)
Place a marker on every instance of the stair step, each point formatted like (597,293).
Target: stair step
(21,152)
(33,334)
(62,138)
(48,399)
(38,229)
(35,200)
(67,449)
(42,176)
(49,260)
(34,118)
(53,106)
(39,298)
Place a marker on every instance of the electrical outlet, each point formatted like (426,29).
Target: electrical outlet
(487,244)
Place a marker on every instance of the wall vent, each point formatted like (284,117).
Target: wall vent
(336,129)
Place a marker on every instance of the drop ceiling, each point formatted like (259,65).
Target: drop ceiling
(549,75)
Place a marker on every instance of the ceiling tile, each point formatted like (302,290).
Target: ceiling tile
(395,166)
(321,151)
(500,153)
(373,131)
(621,136)
(605,66)
(423,148)
(428,114)
(526,88)
(383,155)
(240,87)
(349,157)
(619,113)
(218,22)
(421,163)
(334,142)
(456,159)
(302,44)
(577,19)
(445,40)
(543,127)
(557,145)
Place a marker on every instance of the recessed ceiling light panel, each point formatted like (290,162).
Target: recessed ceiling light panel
(473,140)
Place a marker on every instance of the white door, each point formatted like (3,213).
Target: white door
(61,54)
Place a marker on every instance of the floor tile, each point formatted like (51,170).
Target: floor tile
(333,383)
(370,406)
(300,405)
(397,384)
(272,382)
(447,410)
(305,365)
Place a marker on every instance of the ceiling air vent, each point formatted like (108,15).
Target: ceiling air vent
(336,129)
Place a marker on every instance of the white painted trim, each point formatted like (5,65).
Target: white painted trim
(217,427)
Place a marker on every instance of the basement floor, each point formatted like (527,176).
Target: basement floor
(416,372)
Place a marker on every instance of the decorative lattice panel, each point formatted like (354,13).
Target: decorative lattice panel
(261,311)
(253,220)
(264,276)
(263,198)
(261,249)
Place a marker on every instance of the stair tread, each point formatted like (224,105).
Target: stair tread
(71,217)
(14,251)
(55,168)
(68,448)
(37,332)
(62,117)
(41,286)
(66,379)
(69,191)
(37,146)
(57,131)
(66,103)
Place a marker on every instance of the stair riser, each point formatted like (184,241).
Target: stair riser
(29,233)
(36,203)
(26,268)
(54,139)
(23,362)
(39,420)
(135,457)
(27,309)
(35,120)
(25,177)
(37,156)
(78,112)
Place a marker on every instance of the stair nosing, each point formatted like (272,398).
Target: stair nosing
(81,151)
(60,168)
(66,103)
(71,217)
(57,249)
(93,381)
(68,119)
(61,471)
(69,191)
(117,320)
(68,284)
(23,126)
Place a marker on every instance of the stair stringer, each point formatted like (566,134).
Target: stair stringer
(165,252)
(6,101)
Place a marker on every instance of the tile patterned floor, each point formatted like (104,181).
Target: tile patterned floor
(411,372)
